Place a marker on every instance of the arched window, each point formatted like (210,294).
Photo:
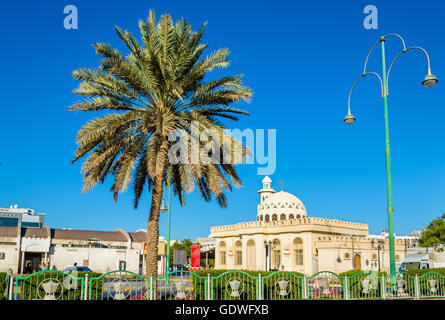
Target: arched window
(276,254)
(298,251)
(251,255)
(222,253)
(298,216)
(291,216)
(274,217)
(266,218)
(238,253)
(283,216)
(261,218)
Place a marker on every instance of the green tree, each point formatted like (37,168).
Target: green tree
(185,244)
(160,87)
(434,233)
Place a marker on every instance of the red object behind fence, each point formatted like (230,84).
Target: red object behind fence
(196,253)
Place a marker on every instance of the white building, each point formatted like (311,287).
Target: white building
(284,237)
(24,248)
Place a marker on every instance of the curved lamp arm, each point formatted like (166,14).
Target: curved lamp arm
(405,51)
(363,75)
(382,39)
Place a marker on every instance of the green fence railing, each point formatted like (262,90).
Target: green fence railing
(225,285)
(49,285)
(234,285)
(118,285)
(282,285)
(180,285)
(431,285)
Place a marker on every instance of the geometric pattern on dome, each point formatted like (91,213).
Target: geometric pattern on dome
(284,206)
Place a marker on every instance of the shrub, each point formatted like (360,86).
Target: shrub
(3,286)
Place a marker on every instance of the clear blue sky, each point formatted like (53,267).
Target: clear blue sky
(300,58)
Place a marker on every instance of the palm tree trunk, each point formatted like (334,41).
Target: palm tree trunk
(151,258)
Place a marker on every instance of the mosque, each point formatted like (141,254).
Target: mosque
(284,237)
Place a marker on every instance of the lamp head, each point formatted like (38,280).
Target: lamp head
(430,80)
(349,119)
(163,208)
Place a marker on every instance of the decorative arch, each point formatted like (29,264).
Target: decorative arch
(222,253)
(276,254)
(298,252)
(238,253)
(251,262)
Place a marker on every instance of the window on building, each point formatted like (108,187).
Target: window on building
(283,216)
(266,218)
(274,217)
(397,258)
(291,216)
(238,253)
(347,256)
(374,256)
(8,243)
(251,255)
(222,253)
(298,251)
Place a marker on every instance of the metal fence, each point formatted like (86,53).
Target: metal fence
(230,285)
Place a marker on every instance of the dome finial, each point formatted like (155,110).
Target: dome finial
(281,182)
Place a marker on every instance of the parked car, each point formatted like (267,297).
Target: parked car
(77,268)
(422,261)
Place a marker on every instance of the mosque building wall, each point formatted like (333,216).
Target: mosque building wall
(303,244)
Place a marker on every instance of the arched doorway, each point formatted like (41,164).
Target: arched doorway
(357,262)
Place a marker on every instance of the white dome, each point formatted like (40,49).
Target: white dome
(281,206)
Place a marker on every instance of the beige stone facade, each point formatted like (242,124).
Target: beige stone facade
(284,238)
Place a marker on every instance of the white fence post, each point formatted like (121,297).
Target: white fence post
(383,287)
(260,287)
(11,287)
(346,288)
(417,287)
(150,292)
(209,287)
(305,295)
(85,292)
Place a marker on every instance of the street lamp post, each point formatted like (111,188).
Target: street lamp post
(429,81)
(265,247)
(164,209)
(380,245)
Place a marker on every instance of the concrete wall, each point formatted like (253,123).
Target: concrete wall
(99,259)
(11,258)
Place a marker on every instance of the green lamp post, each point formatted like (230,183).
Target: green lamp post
(163,209)
(429,81)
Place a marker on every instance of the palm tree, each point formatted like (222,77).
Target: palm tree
(158,88)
